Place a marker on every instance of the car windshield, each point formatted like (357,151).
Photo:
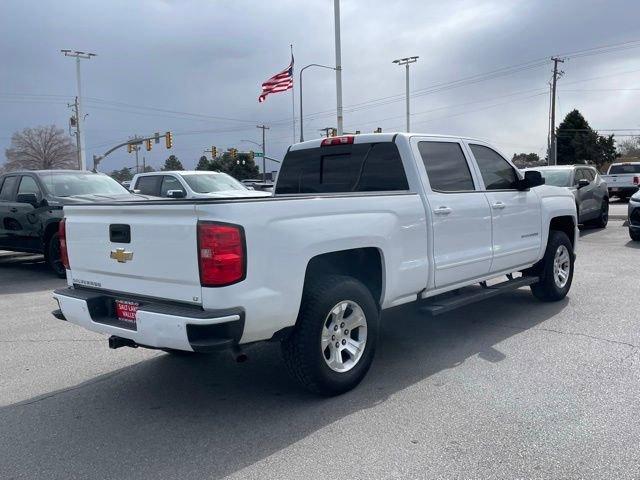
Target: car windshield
(214,182)
(70,184)
(557,178)
(625,168)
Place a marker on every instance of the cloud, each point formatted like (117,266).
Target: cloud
(160,60)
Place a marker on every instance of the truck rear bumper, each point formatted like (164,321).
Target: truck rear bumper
(627,191)
(159,324)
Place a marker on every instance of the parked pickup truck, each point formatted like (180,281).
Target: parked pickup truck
(623,179)
(357,224)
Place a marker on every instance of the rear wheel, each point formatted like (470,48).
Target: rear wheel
(603,219)
(53,258)
(333,344)
(556,269)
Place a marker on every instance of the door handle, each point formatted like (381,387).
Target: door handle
(442,211)
(13,209)
(498,205)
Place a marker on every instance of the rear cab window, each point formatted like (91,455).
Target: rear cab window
(624,168)
(358,167)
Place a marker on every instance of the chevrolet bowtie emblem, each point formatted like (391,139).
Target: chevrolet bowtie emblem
(121,255)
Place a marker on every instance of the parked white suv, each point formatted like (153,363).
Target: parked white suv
(191,184)
(357,224)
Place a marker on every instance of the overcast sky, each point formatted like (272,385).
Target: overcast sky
(195,67)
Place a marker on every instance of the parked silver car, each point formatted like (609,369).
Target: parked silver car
(590,190)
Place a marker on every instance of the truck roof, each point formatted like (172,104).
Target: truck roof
(38,172)
(378,137)
(180,172)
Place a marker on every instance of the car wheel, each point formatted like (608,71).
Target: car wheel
(52,256)
(333,343)
(603,219)
(556,269)
(635,235)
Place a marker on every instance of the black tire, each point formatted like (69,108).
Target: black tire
(635,235)
(52,256)
(547,289)
(302,351)
(603,219)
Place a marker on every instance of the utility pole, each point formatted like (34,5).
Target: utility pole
(79,116)
(553,150)
(406,62)
(74,124)
(336,15)
(264,153)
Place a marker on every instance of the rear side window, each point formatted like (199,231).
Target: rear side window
(149,185)
(364,167)
(8,187)
(446,166)
(497,173)
(624,168)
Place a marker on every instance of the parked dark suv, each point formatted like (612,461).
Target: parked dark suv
(31,207)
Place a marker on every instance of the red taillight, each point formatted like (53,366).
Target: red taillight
(345,140)
(221,254)
(636,180)
(62,238)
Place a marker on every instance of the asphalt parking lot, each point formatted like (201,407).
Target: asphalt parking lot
(508,388)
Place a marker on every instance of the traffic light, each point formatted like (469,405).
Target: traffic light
(233,152)
(334,132)
(378,130)
(168,139)
(148,144)
(129,148)
(214,152)
(251,154)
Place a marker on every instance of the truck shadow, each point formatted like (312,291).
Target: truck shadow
(24,272)
(175,416)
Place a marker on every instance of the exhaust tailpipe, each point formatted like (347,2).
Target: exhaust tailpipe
(238,354)
(117,342)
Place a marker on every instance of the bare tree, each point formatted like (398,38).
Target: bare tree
(41,148)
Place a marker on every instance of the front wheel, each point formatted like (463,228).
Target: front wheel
(556,269)
(53,258)
(333,344)
(634,234)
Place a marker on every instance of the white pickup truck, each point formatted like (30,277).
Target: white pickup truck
(623,179)
(357,224)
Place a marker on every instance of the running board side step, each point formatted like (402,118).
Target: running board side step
(436,306)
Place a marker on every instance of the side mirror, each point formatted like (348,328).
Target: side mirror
(583,182)
(176,194)
(30,198)
(532,178)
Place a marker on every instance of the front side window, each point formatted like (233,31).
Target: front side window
(446,166)
(8,186)
(361,167)
(28,185)
(497,173)
(170,183)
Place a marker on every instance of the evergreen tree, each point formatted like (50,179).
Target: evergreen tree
(172,163)
(203,164)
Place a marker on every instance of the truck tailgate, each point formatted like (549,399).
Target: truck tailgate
(157,258)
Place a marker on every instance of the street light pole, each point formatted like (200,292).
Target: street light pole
(336,15)
(80,120)
(264,153)
(406,62)
(302,70)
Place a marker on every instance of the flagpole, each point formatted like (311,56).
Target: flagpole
(293,97)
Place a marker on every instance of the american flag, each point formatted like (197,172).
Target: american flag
(280,82)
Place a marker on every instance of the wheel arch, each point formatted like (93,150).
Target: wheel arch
(365,264)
